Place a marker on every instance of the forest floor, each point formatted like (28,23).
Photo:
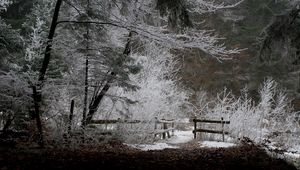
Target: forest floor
(116,155)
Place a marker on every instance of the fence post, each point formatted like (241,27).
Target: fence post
(222,122)
(164,127)
(168,132)
(155,123)
(70,118)
(173,128)
(155,126)
(195,128)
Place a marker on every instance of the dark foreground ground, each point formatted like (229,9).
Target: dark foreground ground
(118,156)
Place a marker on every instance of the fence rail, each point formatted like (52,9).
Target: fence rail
(222,131)
(212,121)
(114,121)
(166,126)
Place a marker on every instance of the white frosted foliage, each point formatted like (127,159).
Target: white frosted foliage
(4,4)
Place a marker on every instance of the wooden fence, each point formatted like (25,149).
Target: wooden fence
(222,131)
(167,126)
(162,127)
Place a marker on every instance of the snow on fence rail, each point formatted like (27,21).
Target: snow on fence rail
(162,127)
(222,131)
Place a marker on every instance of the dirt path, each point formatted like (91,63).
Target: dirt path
(118,156)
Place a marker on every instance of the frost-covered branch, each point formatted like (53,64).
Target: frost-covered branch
(33,51)
(205,6)
(192,38)
(204,40)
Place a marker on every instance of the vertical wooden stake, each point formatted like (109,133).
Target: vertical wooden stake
(168,132)
(70,118)
(195,128)
(173,125)
(155,123)
(223,135)
(37,117)
(164,127)
(155,126)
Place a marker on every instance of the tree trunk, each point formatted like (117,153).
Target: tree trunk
(96,102)
(50,40)
(86,82)
(86,89)
(71,117)
(37,118)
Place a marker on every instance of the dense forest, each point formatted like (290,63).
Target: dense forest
(79,74)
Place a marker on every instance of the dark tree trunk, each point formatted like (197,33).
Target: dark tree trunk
(37,118)
(47,55)
(86,81)
(71,118)
(50,40)
(97,100)
(37,93)
(86,89)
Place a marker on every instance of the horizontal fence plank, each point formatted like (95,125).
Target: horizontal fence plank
(104,121)
(114,121)
(211,121)
(165,121)
(210,131)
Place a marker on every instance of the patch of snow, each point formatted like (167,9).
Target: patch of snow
(292,155)
(272,146)
(155,146)
(296,148)
(214,144)
(181,137)
(183,120)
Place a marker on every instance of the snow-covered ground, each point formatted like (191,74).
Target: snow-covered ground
(155,146)
(180,137)
(291,155)
(214,144)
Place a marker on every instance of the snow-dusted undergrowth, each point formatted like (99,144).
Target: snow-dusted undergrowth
(270,119)
(158,95)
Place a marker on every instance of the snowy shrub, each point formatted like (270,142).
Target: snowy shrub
(269,119)
(158,93)
(15,99)
(4,4)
